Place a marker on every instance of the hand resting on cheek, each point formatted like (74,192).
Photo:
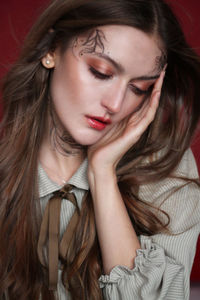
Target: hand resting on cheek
(107,152)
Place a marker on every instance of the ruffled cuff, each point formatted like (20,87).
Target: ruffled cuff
(151,278)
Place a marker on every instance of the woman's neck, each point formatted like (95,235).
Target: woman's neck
(58,163)
(59,167)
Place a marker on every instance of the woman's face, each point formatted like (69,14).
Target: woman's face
(102,78)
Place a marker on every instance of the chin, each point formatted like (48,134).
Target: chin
(86,142)
(86,139)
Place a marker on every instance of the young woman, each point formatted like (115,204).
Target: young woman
(99,192)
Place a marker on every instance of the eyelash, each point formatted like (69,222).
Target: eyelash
(138,91)
(99,75)
(103,76)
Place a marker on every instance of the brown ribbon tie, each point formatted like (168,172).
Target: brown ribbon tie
(50,228)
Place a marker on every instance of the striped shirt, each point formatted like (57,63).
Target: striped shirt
(163,264)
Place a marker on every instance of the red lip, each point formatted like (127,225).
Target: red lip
(98,123)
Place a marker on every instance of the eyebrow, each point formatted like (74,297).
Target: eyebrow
(120,68)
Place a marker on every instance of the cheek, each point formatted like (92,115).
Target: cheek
(131,106)
(64,89)
(65,77)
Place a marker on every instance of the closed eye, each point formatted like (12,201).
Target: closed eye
(99,75)
(139,92)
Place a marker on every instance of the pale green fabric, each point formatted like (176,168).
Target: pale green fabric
(163,264)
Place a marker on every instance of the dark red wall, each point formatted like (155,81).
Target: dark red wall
(16,17)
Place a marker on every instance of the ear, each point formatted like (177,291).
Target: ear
(48,61)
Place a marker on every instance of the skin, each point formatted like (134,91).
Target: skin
(77,92)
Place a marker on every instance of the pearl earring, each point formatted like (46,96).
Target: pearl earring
(47,61)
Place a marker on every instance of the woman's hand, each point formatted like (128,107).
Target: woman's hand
(112,220)
(108,151)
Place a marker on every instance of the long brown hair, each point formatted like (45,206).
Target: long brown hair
(25,96)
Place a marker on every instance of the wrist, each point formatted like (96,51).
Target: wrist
(101,177)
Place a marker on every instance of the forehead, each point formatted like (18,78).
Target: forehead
(132,48)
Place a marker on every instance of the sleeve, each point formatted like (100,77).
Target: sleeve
(163,264)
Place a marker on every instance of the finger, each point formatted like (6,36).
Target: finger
(136,116)
(159,83)
(147,115)
(155,96)
(152,102)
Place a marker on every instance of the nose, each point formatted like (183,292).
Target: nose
(114,97)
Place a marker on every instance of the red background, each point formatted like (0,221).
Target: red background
(17,16)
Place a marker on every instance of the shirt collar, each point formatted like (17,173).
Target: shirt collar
(47,186)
